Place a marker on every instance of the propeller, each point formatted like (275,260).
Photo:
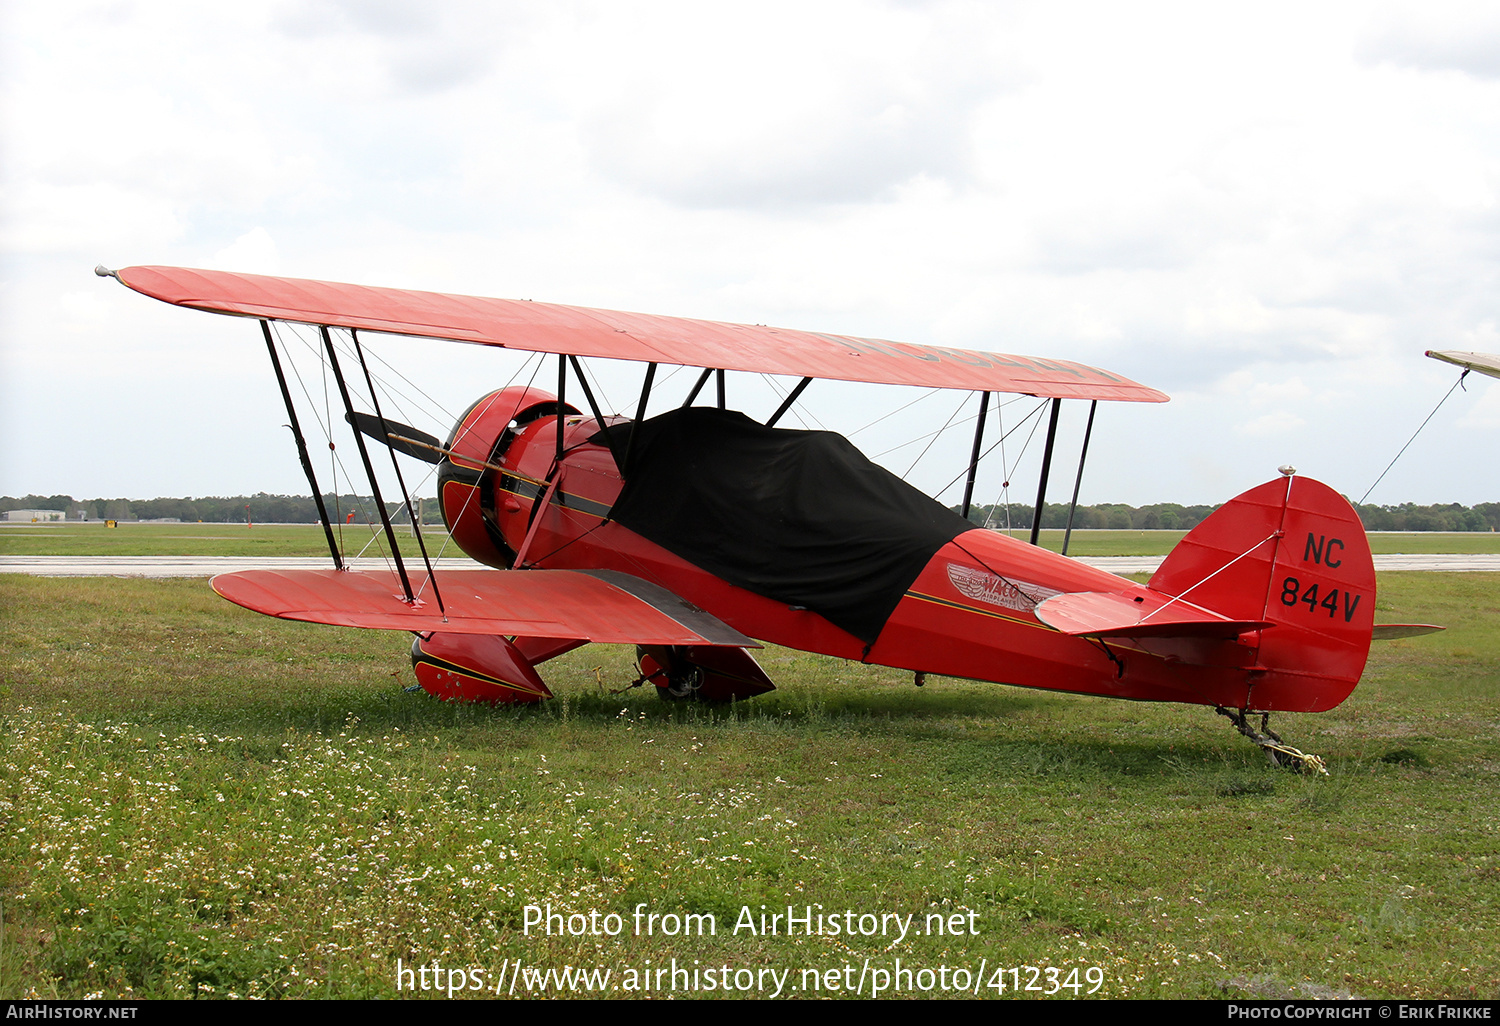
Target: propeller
(401,437)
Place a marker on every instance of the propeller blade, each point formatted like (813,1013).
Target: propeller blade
(401,437)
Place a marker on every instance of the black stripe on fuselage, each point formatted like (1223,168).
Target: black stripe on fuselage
(526,488)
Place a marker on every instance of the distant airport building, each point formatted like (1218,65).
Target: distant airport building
(45,516)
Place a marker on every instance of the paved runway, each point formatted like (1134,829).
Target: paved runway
(207,566)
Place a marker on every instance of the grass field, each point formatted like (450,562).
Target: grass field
(302,540)
(95,539)
(195,800)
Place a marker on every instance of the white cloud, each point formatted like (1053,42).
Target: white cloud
(1454,36)
(254,253)
(1270,212)
(1483,414)
(1277,422)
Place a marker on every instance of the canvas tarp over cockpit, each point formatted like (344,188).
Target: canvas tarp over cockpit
(802,517)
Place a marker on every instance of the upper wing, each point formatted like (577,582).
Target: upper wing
(548,328)
(596,605)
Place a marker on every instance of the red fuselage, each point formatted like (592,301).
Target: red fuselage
(968,614)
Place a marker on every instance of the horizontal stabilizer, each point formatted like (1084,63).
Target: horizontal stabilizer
(1104,614)
(597,605)
(1393,631)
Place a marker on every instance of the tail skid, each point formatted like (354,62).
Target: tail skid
(1281,753)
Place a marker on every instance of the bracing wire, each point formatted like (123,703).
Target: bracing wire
(669,376)
(925,437)
(415,387)
(397,397)
(877,420)
(989,515)
(781,394)
(325,421)
(604,403)
(938,433)
(1413,437)
(1020,456)
(336,338)
(333,453)
(322,418)
(998,442)
(931,434)
(1009,468)
(411,511)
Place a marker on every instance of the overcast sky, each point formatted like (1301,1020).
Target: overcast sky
(1268,211)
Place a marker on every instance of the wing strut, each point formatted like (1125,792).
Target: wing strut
(984,408)
(562,389)
(697,387)
(786,403)
(537,509)
(416,524)
(1041,492)
(588,393)
(1078,481)
(640,414)
(364,454)
(307,467)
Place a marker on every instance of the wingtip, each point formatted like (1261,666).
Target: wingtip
(105,272)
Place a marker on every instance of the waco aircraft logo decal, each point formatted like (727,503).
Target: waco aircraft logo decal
(983,586)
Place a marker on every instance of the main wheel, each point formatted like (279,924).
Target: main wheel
(676,679)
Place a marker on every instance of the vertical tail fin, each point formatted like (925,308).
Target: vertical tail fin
(1293,552)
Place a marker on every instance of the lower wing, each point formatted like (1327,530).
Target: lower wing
(598,605)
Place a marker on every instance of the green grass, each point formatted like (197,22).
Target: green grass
(198,800)
(95,539)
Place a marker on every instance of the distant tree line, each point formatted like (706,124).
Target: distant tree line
(1408,516)
(1114,516)
(1169,516)
(264,508)
(300,509)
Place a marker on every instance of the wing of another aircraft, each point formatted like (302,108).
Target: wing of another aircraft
(1484,363)
(577,331)
(597,605)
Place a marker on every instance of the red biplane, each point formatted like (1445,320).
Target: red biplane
(692,532)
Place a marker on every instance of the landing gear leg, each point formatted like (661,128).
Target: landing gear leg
(1280,753)
(675,678)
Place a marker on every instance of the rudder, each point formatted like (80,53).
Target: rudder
(1293,552)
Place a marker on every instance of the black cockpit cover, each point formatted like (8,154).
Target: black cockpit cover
(797,516)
